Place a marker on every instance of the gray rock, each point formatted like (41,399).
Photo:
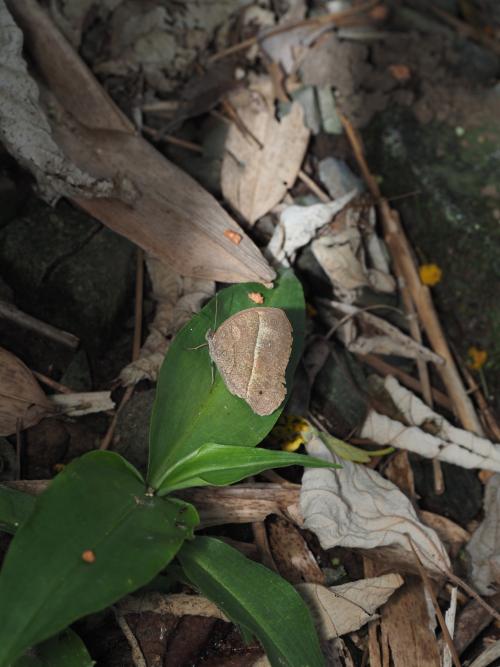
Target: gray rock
(132,429)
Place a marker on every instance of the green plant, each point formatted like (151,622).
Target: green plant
(101,531)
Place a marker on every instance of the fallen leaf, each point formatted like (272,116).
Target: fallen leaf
(484,545)
(299,224)
(356,507)
(338,610)
(428,433)
(162,209)
(261,161)
(25,130)
(21,398)
(177,300)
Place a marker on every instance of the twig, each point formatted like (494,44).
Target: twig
(466,29)
(170,139)
(53,384)
(336,18)
(137,655)
(262,543)
(136,346)
(12,314)
(384,369)
(315,189)
(404,265)
(428,586)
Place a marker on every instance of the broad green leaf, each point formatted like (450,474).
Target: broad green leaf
(15,507)
(65,650)
(225,464)
(189,409)
(255,598)
(96,509)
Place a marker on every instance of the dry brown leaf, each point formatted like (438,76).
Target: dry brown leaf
(291,554)
(21,399)
(405,637)
(162,209)
(177,299)
(261,162)
(338,610)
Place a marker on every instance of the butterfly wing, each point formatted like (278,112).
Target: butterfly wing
(251,350)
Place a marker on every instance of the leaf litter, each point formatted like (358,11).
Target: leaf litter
(297,77)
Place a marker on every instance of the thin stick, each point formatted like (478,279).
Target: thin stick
(336,18)
(53,384)
(170,139)
(403,261)
(384,368)
(137,655)
(467,30)
(12,314)
(136,346)
(428,586)
(315,189)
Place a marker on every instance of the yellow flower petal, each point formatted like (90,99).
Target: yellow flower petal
(477,358)
(430,274)
(293,445)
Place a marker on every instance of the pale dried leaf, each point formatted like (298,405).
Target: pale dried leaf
(338,610)
(430,435)
(299,224)
(394,341)
(178,299)
(25,130)
(484,545)
(262,162)
(356,507)
(85,403)
(21,398)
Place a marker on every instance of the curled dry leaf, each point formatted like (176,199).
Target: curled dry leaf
(338,610)
(263,155)
(344,250)
(178,298)
(356,507)
(299,224)
(25,130)
(430,434)
(21,398)
(393,342)
(484,545)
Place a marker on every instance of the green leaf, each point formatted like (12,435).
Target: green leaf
(255,598)
(189,410)
(15,507)
(349,452)
(65,650)
(225,464)
(98,505)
